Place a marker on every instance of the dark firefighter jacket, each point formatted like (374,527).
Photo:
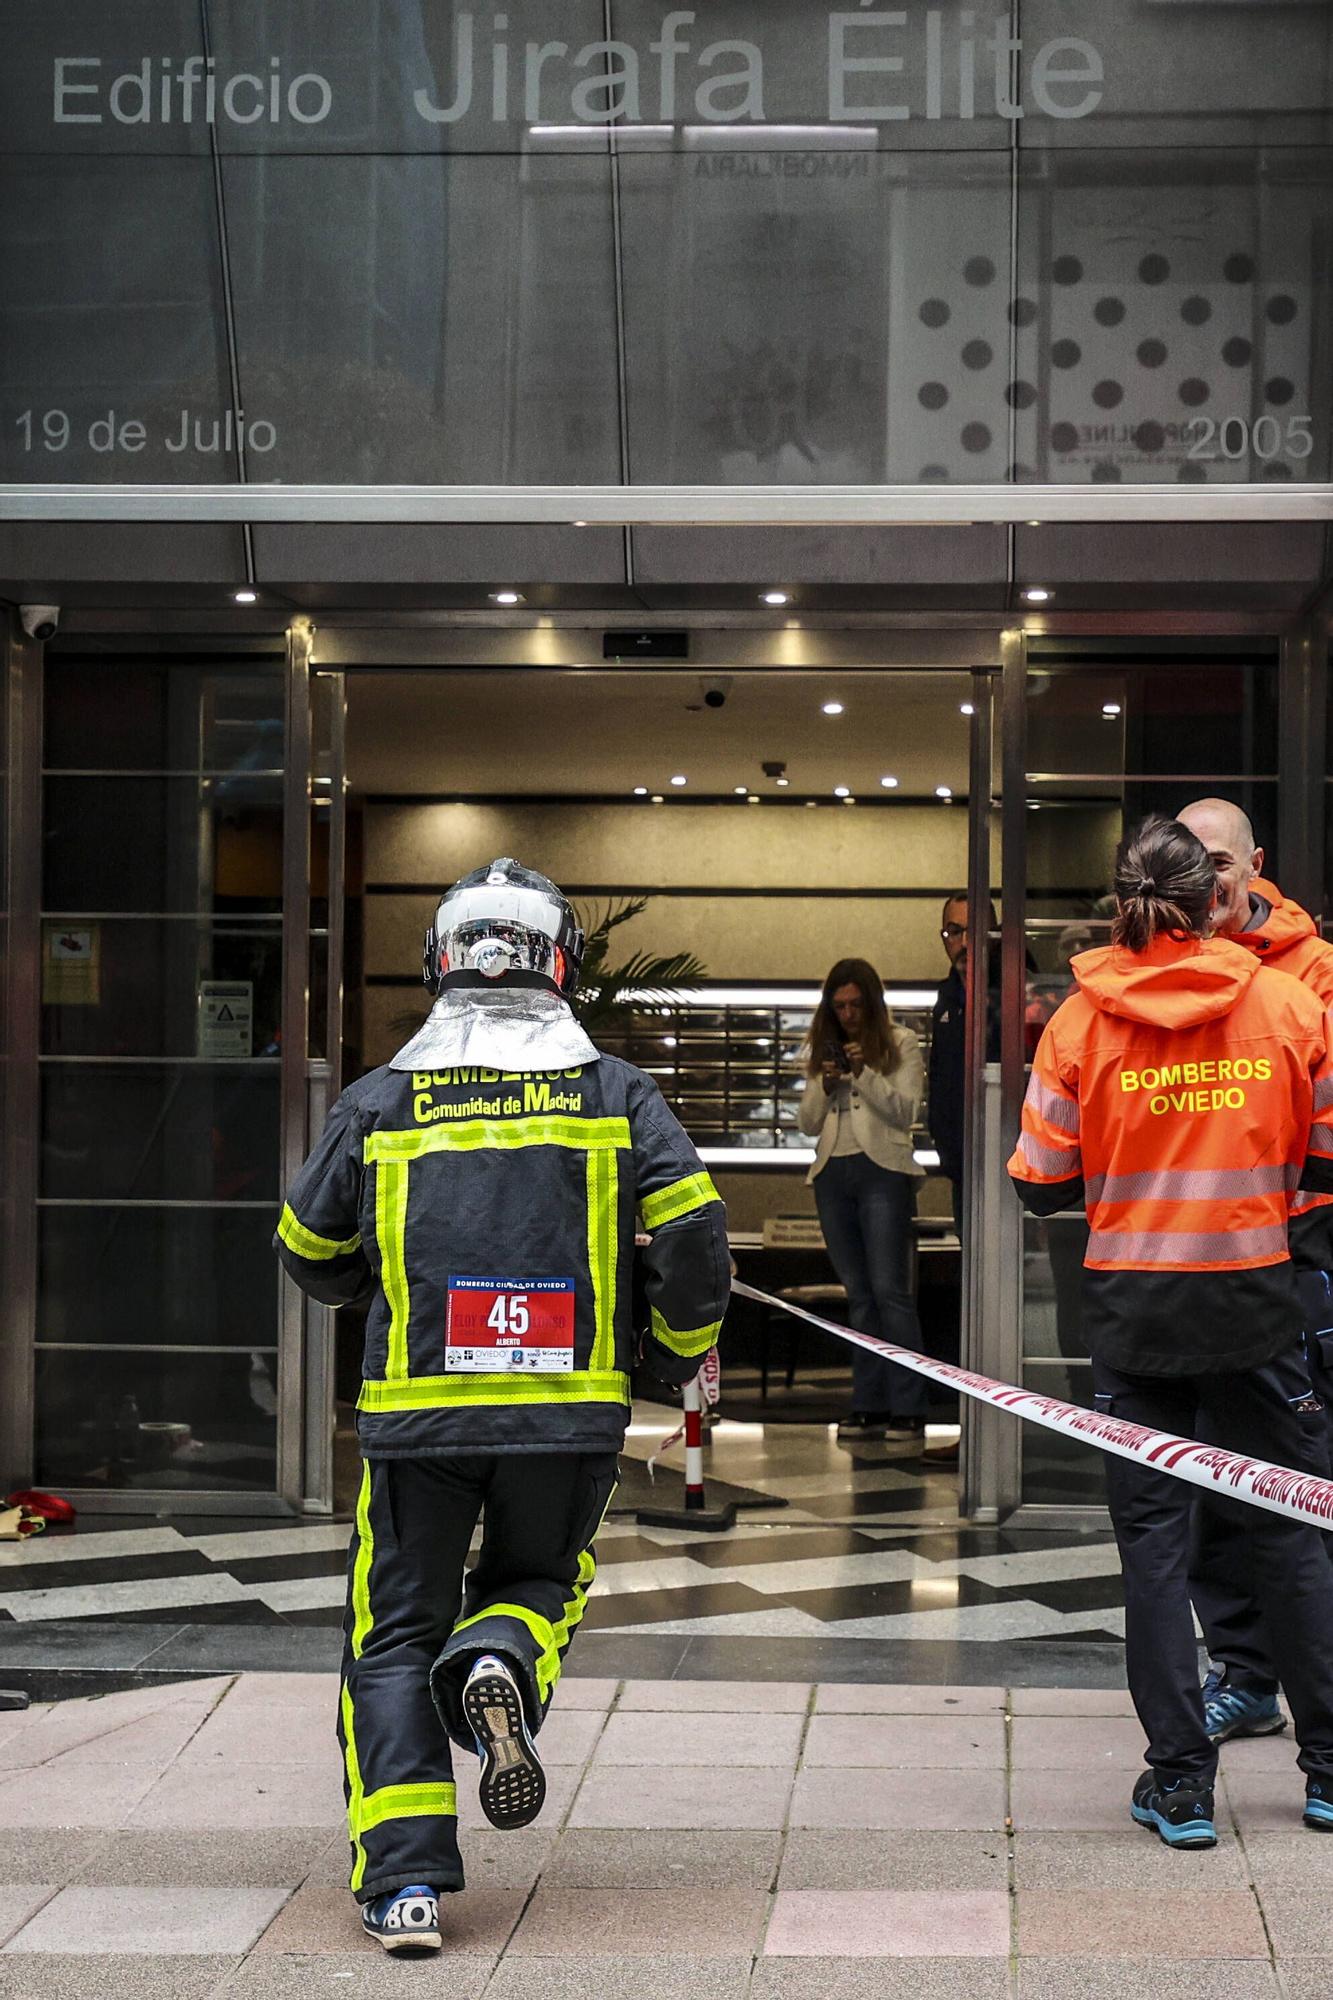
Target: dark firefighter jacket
(1183,1095)
(489,1219)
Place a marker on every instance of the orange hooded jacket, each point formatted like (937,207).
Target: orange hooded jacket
(1184,1098)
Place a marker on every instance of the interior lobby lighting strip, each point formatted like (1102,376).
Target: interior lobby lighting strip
(784,1156)
(766,996)
(669,506)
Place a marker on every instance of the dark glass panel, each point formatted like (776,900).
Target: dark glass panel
(179,1276)
(188,1133)
(175,1421)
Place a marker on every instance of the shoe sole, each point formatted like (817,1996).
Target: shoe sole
(419,1946)
(1232,1730)
(1194,1833)
(513,1784)
(1321,1821)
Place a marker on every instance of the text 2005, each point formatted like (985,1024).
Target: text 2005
(1236,437)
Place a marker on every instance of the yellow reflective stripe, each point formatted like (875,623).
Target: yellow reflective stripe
(689,1342)
(355,1791)
(405,1802)
(474,1135)
(362,1616)
(304,1242)
(391,1230)
(464,1391)
(681,1198)
(553,1639)
(603,1193)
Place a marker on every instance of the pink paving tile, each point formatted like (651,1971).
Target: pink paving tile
(724,1923)
(19,1902)
(1070,1701)
(1085,1800)
(312,1692)
(267,1734)
(1263,1801)
(899,1798)
(1248,1754)
(568,1735)
(920,1742)
(723,1697)
(1070,1743)
(888,1923)
(100,1728)
(67,1794)
(722,1798)
(149,1922)
(576,1692)
(1120,1923)
(240,1795)
(677,1740)
(317,1920)
(875,1698)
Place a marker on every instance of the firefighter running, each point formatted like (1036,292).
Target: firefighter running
(1190,1301)
(480,1194)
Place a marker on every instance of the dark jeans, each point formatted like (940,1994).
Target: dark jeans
(866,1214)
(1253,1413)
(1226,1597)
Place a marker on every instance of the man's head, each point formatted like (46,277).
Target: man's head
(953,928)
(1229,838)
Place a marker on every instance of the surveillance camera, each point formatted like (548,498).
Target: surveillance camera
(39,621)
(715,692)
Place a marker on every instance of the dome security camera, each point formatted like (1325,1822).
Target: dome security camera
(39,621)
(715,692)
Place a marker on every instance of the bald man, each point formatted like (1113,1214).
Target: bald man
(1240,1693)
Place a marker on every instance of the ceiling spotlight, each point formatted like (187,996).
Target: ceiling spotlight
(1037,594)
(641,791)
(966,708)
(944,791)
(579,524)
(680,779)
(849,802)
(1034,524)
(506,597)
(740,790)
(752,799)
(812,802)
(245,596)
(1110,708)
(889,784)
(1034,805)
(842,791)
(784,782)
(833,708)
(658,799)
(776,597)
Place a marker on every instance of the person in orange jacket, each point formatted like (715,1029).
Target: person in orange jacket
(1240,1691)
(1183,1096)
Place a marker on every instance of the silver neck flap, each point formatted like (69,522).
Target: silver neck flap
(519,1029)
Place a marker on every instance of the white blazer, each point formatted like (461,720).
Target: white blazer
(884,1110)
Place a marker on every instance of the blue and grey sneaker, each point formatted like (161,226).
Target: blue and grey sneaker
(1182,1814)
(1235,1711)
(406,1920)
(513,1784)
(1319,1804)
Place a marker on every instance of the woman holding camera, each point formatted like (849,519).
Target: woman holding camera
(860,1103)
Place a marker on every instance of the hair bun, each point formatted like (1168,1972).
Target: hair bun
(1146,886)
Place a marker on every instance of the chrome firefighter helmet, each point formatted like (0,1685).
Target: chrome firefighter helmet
(504,923)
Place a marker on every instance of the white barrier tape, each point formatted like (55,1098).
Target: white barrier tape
(1280,1489)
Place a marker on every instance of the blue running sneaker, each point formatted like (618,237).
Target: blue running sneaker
(1319,1804)
(1182,1814)
(1234,1711)
(513,1784)
(406,1920)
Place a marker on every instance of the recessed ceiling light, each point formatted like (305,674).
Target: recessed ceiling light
(842,791)
(641,791)
(784,782)
(833,708)
(680,779)
(1110,708)
(889,784)
(740,790)
(658,799)
(1034,524)
(245,596)
(966,708)
(753,799)
(1034,805)
(849,802)
(812,802)
(1038,594)
(944,791)
(776,597)
(580,524)
(506,597)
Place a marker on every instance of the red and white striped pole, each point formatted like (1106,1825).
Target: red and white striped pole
(696,1513)
(693,1400)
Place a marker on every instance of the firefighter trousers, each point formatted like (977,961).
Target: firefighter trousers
(1226,1595)
(1252,1412)
(415,1623)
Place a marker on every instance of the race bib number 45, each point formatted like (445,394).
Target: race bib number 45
(497,1325)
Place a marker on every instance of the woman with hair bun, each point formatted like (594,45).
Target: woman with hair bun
(1183,1094)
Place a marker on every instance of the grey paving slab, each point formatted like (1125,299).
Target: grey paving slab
(730,1697)
(863,1698)
(885,1979)
(824,1858)
(18,1902)
(253,1858)
(916,1742)
(1300,1921)
(676,1740)
(300,1975)
(73,1795)
(1263,1801)
(1133,1859)
(613,1977)
(585,1691)
(1077,1800)
(1105,1979)
(1294,1858)
(571,1922)
(947,1800)
(99,1976)
(491,1860)
(1077,1743)
(149,1922)
(727,1798)
(316,1693)
(476,1924)
(1188,1921)
(1112,1701)
(241,1795)
(1305,1978)
(594,1858)
(45,1854)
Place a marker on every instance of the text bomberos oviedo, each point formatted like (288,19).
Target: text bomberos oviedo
(884,65)
(1197,1087)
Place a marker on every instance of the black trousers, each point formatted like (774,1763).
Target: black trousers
(407,1649)
(1253,1413)
(1226,1595)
